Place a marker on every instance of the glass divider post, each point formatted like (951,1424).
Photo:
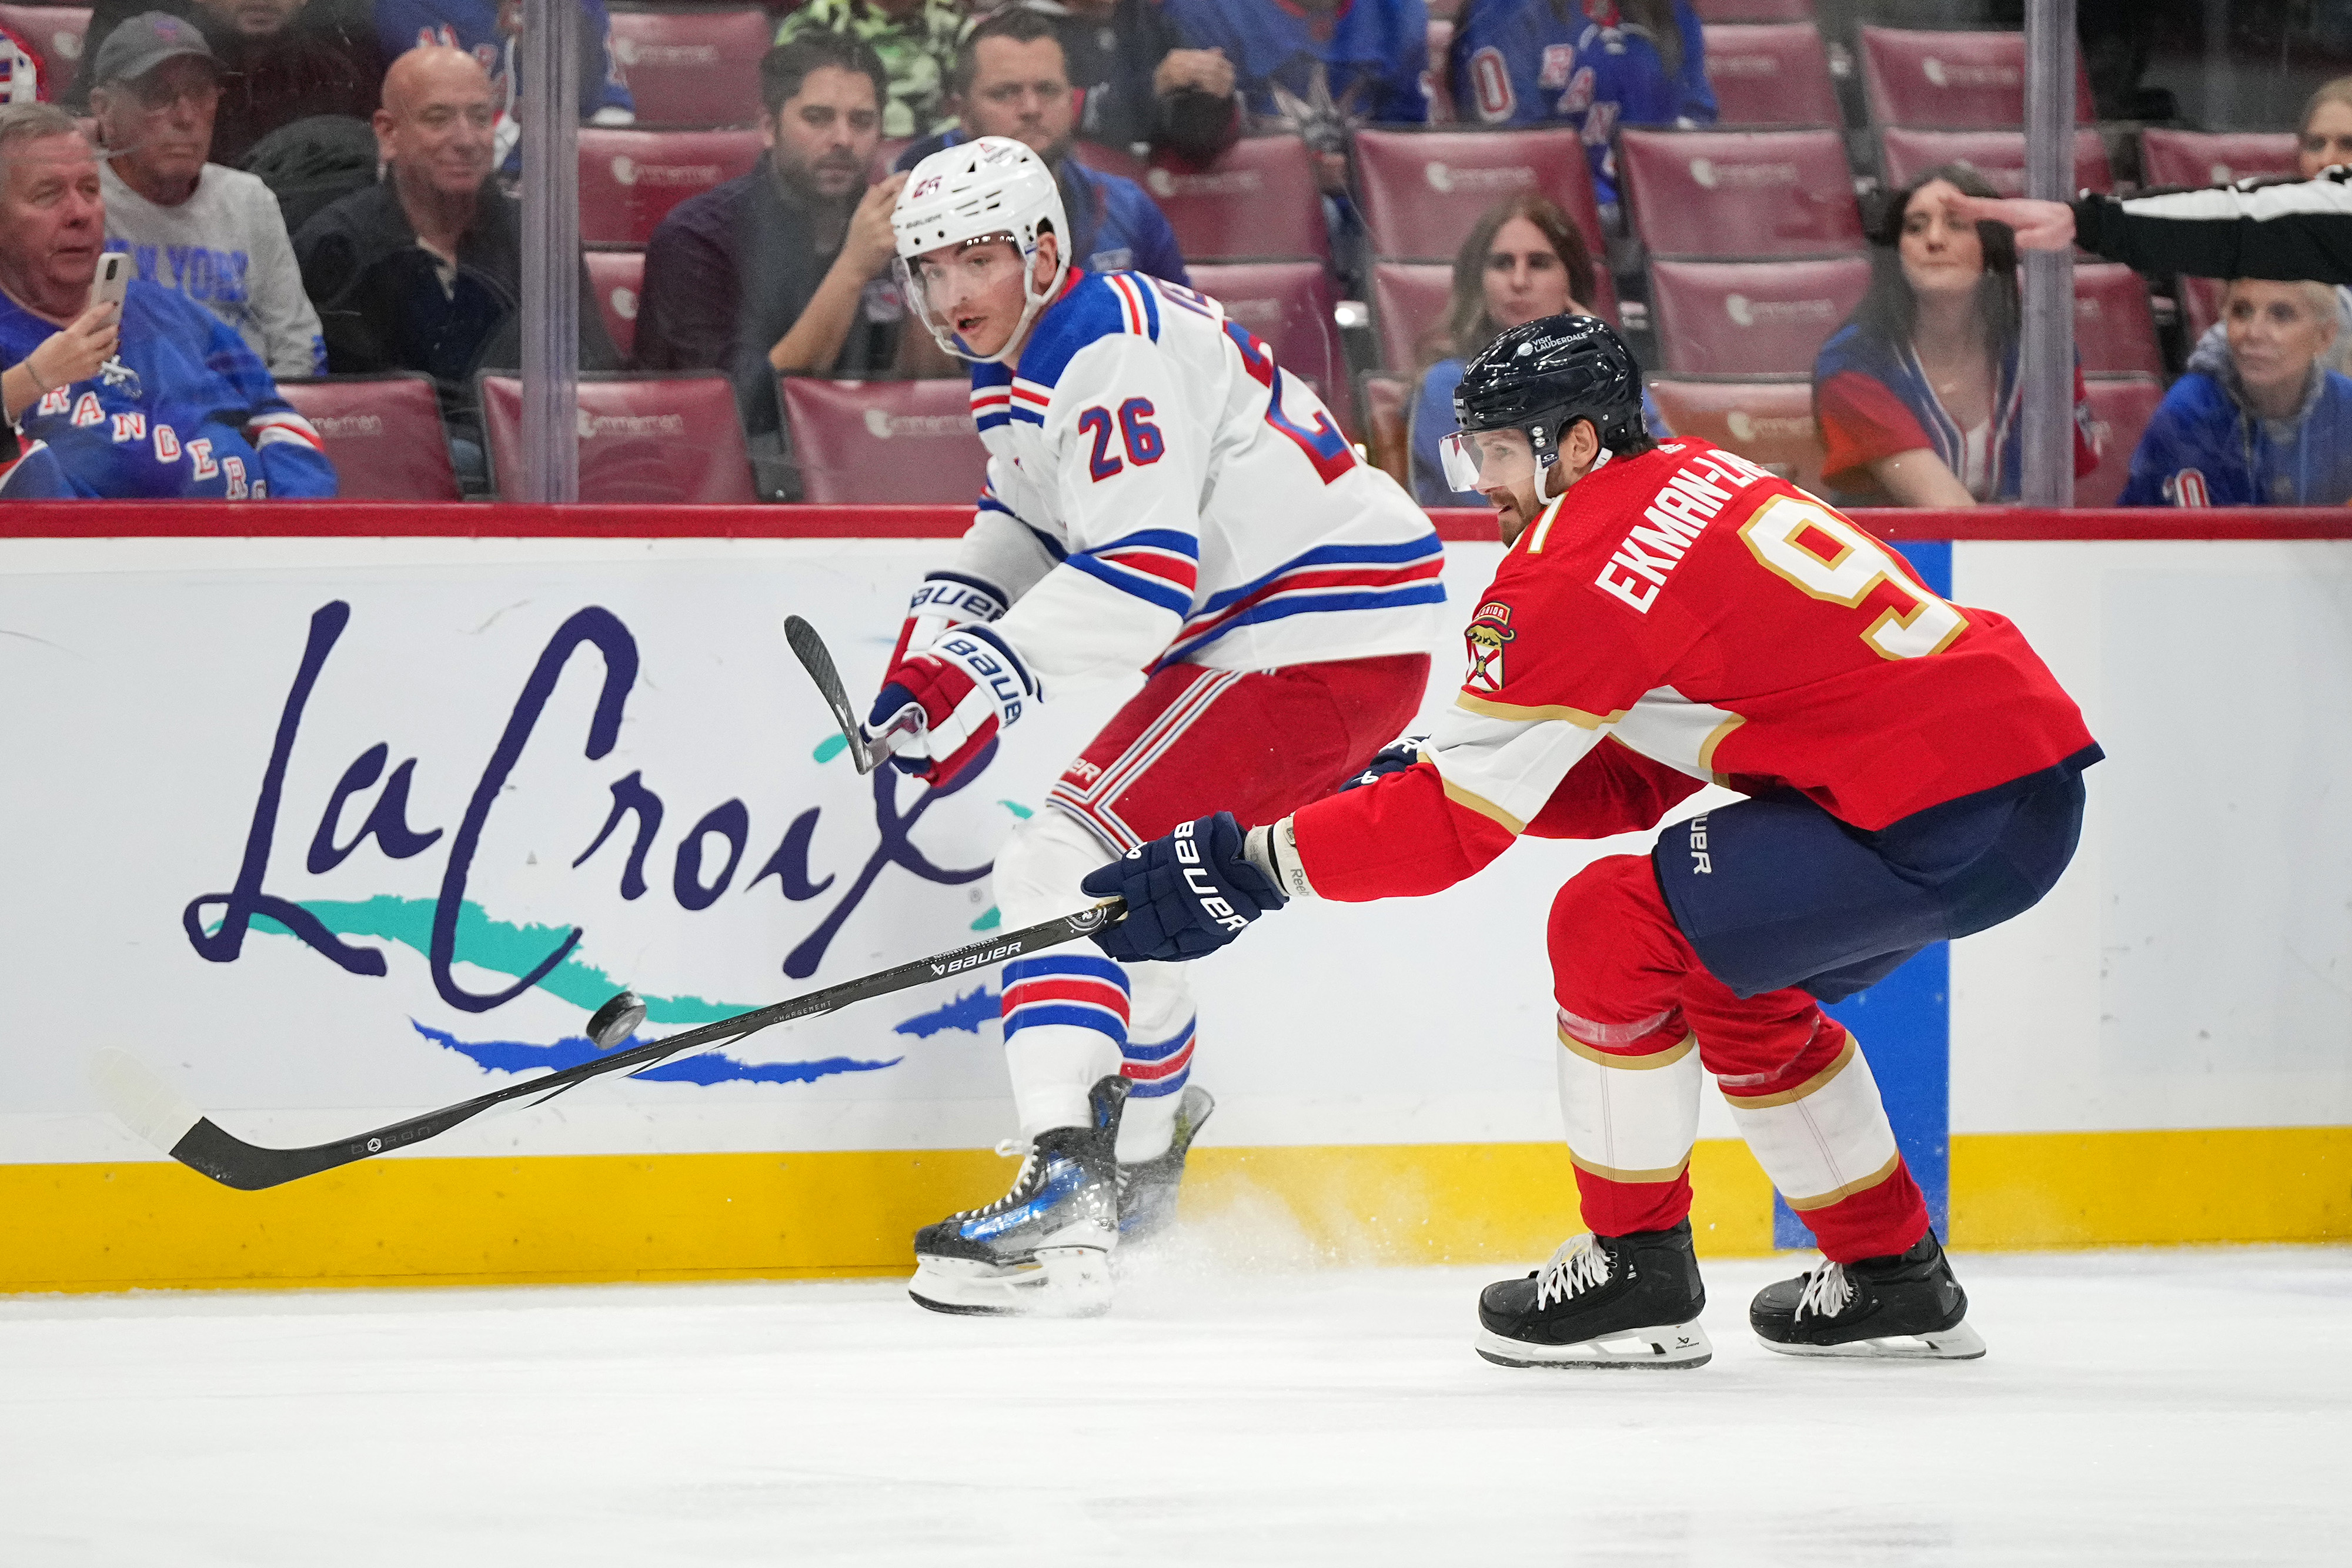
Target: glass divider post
(549,65)
(2046,356)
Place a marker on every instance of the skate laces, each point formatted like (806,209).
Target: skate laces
(1827,1291)
(1021,1181)
(1580,1264)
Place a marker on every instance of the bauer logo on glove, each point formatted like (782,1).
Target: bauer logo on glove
(1187,894)
(967,686)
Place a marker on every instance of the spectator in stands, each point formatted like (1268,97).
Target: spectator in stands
(215,234)
(1136,82)
(153,398)
(20,69)
(2259,420)
(422,271)
(1317,67)
(2322,139)
(281,60)
(1525,260)
(914,39)
(785,270)
(1917,394)
(1595,66)
(1011,79)
(490,30)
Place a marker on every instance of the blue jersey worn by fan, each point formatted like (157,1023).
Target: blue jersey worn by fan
(1361,60)
(473,26)
(183,411)
(1550,62)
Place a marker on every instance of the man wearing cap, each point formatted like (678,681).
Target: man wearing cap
(214,235)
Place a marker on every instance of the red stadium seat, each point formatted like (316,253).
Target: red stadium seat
(1386,402)
(885,154)
(1288,305)
(382,433)
(1740,192)
(618,277)
(1751,318)
(629,180)
(1422,192)
(1437,80)
(2214,158)
(1105,159)
(1954,81)
(1713,11)
(883,442)
(1999,156)
(1259,201)
(2115,331)
(1771,74)
(1409,301)
(2121,405)
(692,67)
(2201,304)
(55,35)
(643,440)
(1767,420)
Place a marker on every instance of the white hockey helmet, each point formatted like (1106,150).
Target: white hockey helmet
(989,188)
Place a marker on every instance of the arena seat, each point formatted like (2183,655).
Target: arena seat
(1259,201)
(1409,301)
(1105,159)
(883,442)
(382,433)
(1767,419)
(618,277)
(1287,304)
(1952,80)
(648,440)
(692,65)
(2115,331)
(2121,405)
(1764,318)
(1437,80)
(1999,155)
(2200,305)
(55,35)
(1422,191)
(1744,192)
(2214,158)
(1710,12)
(629,179)
(1773,73)
(1386,402)
(886,153)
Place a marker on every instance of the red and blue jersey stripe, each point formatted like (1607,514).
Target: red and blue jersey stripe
(1327,578)
(1158,566)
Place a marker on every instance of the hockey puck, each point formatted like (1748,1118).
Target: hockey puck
(616,1020)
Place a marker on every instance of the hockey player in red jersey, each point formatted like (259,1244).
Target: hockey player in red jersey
(1666,616)
(1161,495)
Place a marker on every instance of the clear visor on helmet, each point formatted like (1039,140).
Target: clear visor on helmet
(940,282)
(1487,457)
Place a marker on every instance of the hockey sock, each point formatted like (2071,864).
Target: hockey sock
(1065,1027)
(1158,1070)
(1629,1103)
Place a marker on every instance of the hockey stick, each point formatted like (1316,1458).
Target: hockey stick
(150,1109)
(864,755)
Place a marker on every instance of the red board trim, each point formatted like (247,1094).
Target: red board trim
(373,519)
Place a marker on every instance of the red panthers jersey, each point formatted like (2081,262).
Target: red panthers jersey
(1718,624)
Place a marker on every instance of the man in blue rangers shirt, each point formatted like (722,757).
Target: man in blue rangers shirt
(173,403)
(1596,66)
(1013,80)
(1318,67)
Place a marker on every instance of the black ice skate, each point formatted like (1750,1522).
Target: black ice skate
(1147,1189)
(1045,1247)
(1602,1301)
(1906,1307)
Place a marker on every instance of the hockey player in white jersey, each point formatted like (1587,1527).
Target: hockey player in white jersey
(1162,496)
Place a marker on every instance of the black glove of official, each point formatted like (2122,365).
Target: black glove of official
(1394,758)
(1187,894)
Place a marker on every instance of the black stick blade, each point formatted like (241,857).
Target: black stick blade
(616,1020)
(817,660)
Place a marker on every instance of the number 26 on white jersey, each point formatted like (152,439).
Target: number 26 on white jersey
(1787,534)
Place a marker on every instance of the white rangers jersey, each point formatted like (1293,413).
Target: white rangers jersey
(1159,492)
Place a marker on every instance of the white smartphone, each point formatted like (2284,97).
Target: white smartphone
(113,277)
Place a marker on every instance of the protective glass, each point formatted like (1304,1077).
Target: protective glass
(1487,457)
(973,269)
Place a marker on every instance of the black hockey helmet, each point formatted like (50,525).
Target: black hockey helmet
(1545,376)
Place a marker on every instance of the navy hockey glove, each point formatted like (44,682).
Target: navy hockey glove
(1394,758)
(1187,894)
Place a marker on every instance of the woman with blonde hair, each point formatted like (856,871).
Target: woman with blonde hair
(1525,260)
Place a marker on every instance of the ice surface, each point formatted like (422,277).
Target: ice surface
(2143,1409)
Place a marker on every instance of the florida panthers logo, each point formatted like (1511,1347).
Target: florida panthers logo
(1488,631)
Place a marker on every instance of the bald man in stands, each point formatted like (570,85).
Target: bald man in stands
(423,271)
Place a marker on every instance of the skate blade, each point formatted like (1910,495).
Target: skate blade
(1062,1282)
(1676,1345)
(1958,1342)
